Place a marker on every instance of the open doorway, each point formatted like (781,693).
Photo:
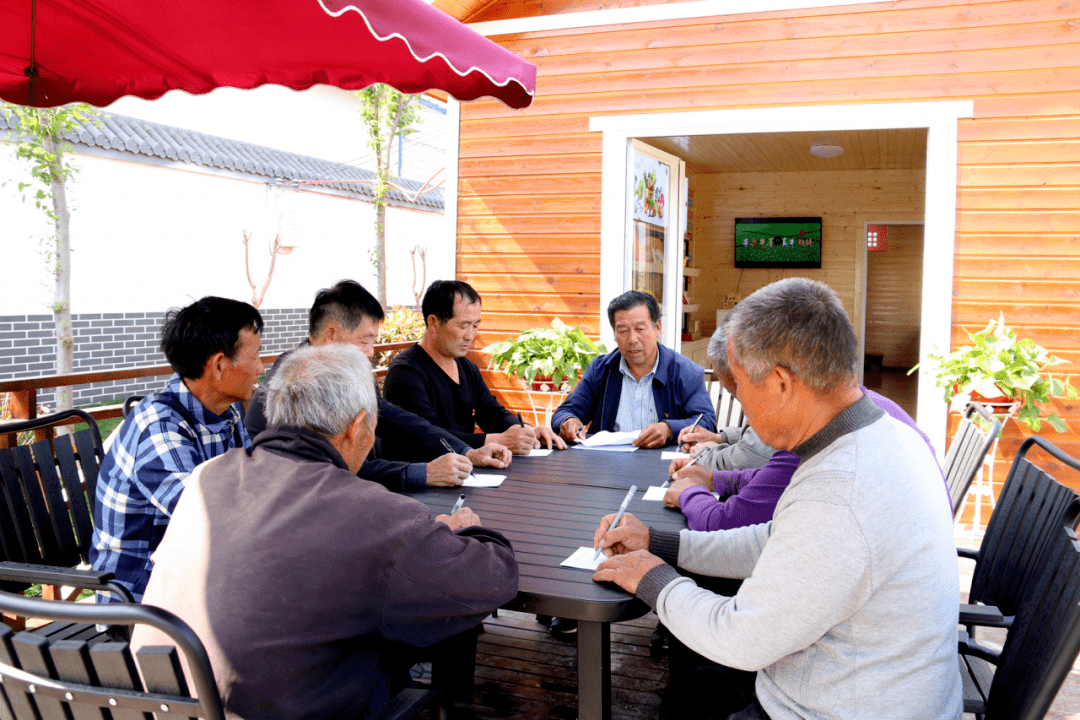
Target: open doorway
(760,126)
(893,307)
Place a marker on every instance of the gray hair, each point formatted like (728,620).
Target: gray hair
(321,389)
(717,351)
(798,324)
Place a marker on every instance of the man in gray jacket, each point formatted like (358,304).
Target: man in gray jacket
(298,576)
(849,605)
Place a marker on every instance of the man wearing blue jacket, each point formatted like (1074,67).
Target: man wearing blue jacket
(640,386)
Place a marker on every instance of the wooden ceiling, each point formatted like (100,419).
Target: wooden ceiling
(901,149)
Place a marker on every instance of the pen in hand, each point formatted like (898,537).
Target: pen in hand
(618,515)
(447,446)
(693,461)
(458,505)
(520,420)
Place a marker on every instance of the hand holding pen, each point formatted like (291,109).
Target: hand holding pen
(615,522)
(693,461)
(449,470)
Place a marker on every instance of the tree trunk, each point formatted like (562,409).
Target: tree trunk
(380,248)
(61,306)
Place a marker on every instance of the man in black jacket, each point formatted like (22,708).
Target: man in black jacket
(299,576)
(409,451)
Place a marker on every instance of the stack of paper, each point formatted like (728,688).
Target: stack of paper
(614,441)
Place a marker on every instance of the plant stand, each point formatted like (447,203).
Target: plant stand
(984,483)
(545,402)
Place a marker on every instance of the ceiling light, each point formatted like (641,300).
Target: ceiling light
(825,149)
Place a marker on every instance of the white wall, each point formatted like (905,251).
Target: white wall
(146,238)
(322,122)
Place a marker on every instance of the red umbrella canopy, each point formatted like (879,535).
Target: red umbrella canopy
(54,52)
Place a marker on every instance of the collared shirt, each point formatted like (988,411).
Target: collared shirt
(141,478)
(637,406)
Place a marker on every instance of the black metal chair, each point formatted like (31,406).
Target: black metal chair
(81,676)
(1031,508)
(968,451)
(129,403)
(1021,681)
(46,507)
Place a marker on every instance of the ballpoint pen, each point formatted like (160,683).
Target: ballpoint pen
(693,425)
(447,446)
(458,504)
(618,515)
(693,461)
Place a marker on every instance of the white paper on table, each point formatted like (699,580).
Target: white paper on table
(608,448)
(610,438)
(656,493)
(488,481)
(674,455)
(582,559)
(540,452)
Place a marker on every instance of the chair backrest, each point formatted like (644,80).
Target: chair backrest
(129,403)
(1032,506)
(46,493)
(45,677)
(969,447)
(1044,640)
(729,412)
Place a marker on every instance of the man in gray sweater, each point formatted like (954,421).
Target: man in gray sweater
(849,605)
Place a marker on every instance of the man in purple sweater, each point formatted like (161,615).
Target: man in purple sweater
(747,497)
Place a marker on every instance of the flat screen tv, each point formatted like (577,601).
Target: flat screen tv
(793,242)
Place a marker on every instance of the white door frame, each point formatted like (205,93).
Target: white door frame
(940,119)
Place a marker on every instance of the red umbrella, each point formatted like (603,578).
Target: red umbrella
(53,52)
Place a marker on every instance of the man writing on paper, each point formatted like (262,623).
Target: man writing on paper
(641,385)
(408,450)
(848,607)
(436,381)
(297,575)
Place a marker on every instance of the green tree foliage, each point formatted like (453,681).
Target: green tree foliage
(387,114)
(39,140)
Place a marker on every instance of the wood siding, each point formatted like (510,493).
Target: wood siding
(529,180)
(844,200)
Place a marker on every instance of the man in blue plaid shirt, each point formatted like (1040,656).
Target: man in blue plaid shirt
(213,347)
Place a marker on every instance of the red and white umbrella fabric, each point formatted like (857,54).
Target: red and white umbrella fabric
(54,52)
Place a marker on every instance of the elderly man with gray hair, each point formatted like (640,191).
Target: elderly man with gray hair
(298,575)
(848,606)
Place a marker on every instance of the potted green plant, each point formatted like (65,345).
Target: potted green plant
(999,368)
(546,359)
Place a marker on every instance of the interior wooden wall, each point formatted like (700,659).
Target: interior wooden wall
(529,207)
(894,297)
(844,200)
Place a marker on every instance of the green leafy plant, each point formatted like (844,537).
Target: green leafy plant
(1000,365)
(401,324)
(556,355)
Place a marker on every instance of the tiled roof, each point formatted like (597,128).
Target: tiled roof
(127,134)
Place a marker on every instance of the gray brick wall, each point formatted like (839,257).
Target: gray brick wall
(108,341)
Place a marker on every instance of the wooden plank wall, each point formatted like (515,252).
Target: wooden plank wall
(844,200)
(894,297)
(529,205)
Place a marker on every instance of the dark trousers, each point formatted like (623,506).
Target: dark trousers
(700,689)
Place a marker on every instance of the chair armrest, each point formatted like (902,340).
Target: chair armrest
(969,554)
(72,577)
(970,648)
(983,615)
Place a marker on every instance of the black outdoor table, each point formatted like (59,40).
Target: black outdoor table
(548,508)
